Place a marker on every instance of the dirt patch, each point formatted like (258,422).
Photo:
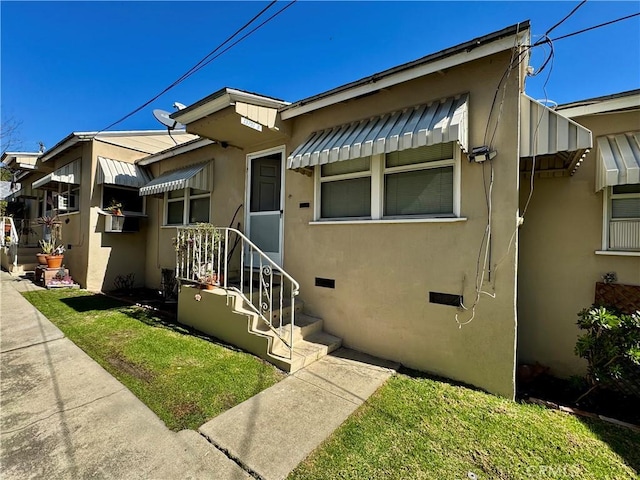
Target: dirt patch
(228,400)
(130,368)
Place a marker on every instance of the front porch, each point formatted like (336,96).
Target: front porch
(232,290)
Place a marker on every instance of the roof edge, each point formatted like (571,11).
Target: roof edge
(222,99)
(306,105)
(606,103)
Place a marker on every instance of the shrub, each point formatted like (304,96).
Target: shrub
(611,346)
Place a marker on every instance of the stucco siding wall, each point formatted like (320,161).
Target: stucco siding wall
(384,272)
(558,266)
(227,195)
(109,254)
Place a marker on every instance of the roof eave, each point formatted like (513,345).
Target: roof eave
(610,103)
(219,101)
(472,50)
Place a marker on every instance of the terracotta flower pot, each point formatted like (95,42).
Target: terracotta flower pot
(54,261)
(42,258)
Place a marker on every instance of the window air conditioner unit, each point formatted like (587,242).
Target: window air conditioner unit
(113,223)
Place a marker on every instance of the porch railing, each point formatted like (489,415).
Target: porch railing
(10,239)
(225,257)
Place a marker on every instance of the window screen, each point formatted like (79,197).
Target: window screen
(198,210)
(420,192)
(346,198)
(175,211)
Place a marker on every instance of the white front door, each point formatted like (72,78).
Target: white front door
(264,202)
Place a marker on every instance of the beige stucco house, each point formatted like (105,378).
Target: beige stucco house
(76,179)
(578,227)
(394,200)
(398,206)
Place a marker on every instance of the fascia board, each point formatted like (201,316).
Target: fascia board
(602,107)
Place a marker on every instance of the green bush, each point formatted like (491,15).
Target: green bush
(611,346)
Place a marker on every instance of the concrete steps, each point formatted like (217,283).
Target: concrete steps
(310,342)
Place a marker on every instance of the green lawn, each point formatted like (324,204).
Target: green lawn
(184,379)
(418,428)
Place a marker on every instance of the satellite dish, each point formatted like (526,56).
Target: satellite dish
(163,117)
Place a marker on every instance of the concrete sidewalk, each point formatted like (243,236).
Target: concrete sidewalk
(63,416)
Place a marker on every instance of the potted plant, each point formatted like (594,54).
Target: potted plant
(51,234)
(210,279)
(115,208)
(54,260)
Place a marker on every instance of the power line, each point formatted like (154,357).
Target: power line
(596,26)
(245,35)
(204,61)
(565,18)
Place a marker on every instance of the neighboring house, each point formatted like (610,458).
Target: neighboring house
(375,197)
(77,179)
(577,228)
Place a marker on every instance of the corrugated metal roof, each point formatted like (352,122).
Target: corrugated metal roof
(618,160)
(545,132)
(70,173)
(194,176)
(428,124)
(116,172)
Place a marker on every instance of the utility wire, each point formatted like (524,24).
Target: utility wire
(196,67)
(565,18)
(245,35)
(595,26)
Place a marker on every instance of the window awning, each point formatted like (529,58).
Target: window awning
(124,174)
(545,132)
(618,160)
(195,176)
(428,124)
(69,174)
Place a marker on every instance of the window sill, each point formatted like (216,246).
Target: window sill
(389,220)
(618,253)
(75,212)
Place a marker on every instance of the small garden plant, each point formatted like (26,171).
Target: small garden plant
(611,346)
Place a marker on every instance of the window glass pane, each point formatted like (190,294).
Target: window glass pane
(174,212)
(625,207)
(195,191)
(348,166)
(346,198)
(422,192)
(176,193)
(633,188)
(199,210)
(441,151)
(130,199)
(265,232)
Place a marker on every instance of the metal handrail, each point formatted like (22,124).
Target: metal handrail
(13,236)
(203,255)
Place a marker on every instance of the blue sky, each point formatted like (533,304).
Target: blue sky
(79,66)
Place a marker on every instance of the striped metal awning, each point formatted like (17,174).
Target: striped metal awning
(195,176)
(618,160)
(432,123)
(124,174)
(558,142)
(70,174)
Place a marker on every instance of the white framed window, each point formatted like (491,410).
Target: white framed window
(67,198)
(184,207)
(422,182)
(621,218)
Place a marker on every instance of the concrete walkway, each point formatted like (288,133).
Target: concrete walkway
(63,416)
